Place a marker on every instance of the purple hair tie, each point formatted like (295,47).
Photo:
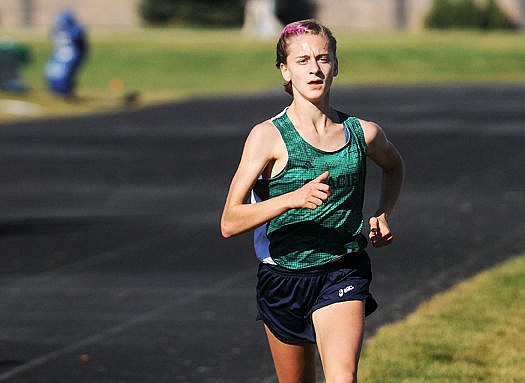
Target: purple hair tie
(293,28)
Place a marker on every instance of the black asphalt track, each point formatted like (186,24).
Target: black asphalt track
(112,266)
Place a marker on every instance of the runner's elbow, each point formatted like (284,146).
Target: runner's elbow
(225,233)
(227,229)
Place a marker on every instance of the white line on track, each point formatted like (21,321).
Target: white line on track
(106,256)
(135,321)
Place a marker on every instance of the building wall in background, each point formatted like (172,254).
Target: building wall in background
(37,13)
(357,14)
(392,14)
(338,14)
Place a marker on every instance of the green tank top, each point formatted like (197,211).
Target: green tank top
(302,238)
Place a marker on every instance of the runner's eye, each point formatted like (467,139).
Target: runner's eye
(302,60)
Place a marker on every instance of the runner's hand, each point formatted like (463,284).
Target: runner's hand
(312,194)
(380,234)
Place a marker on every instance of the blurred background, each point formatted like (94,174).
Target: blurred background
(353,15)
(140,52)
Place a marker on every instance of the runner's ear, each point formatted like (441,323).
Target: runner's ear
(285,73)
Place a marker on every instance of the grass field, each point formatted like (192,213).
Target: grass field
(473,333)
(168,64)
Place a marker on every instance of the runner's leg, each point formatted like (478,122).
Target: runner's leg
(293,363)
(339,330)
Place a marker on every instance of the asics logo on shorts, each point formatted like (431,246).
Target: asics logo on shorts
(345,290)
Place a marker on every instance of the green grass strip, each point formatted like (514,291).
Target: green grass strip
(473,333)
(170,64)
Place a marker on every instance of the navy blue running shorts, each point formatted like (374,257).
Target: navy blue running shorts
(287,298)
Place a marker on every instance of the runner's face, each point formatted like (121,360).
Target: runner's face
(309,66)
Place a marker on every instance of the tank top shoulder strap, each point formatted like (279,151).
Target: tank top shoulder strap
(355,130)
(285,127)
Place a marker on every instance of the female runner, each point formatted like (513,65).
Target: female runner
(304,170)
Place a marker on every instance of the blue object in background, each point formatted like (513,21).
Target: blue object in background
(69,51)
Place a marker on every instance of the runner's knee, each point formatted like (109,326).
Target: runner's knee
(345,377)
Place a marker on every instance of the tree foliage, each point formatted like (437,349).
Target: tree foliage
(211,13)
(293,10)
(216,12)
(446,14)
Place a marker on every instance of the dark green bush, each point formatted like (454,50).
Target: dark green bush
(210,13)
(293,10)
(157,11)
(493,17)
(217,12)
(469,14)
(440,14)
